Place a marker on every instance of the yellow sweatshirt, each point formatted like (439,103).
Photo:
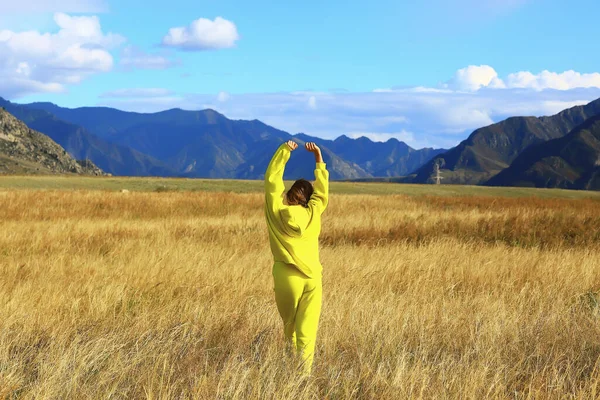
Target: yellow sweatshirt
(294,230)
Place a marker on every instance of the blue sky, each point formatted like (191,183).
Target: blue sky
(426,72)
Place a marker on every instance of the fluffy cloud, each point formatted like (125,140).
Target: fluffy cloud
(203,34)
(135,58)
(33,62)
(312,102)
(43,6)
(474,77)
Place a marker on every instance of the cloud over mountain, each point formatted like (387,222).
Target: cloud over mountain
(434,117)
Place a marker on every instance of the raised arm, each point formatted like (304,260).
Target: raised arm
(274,186)
(320,196)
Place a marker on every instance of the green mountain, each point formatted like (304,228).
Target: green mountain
(570,162)
(25,151)
(489,150)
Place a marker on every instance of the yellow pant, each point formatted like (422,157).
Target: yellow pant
(299,303)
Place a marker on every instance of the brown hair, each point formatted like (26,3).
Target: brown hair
(299,193)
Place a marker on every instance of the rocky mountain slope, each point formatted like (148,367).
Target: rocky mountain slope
(25,151)
(489,150)
(570,162)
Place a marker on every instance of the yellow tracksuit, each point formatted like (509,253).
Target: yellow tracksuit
(294,238)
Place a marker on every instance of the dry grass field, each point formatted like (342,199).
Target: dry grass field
(168,295)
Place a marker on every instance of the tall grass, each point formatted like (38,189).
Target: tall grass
(169,295)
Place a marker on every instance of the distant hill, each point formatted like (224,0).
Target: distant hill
(489,150)
(390,159)
(81,144)
(207,144)
(569,162)
(25,151)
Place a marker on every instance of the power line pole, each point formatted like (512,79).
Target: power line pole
(438,174)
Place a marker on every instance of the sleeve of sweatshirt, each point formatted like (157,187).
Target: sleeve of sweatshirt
(274,186)
(320,197)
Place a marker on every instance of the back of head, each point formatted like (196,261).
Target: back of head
(299,193)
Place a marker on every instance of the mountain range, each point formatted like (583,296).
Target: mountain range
(561,150)
(204,144)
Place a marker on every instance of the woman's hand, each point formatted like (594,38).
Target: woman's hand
(292,145)
(313,148)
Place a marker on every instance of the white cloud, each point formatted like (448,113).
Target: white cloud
(203,34)
(45,6)
(552,80)
(86,30)
(133,57)
(475,77)
(33,62)
(137,92)
(312,102)
(222,97)
(26,86)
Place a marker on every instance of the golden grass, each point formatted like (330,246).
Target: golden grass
(169,295)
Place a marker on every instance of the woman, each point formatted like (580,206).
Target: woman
(294,221)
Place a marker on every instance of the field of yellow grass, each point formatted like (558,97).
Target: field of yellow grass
(168,295)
